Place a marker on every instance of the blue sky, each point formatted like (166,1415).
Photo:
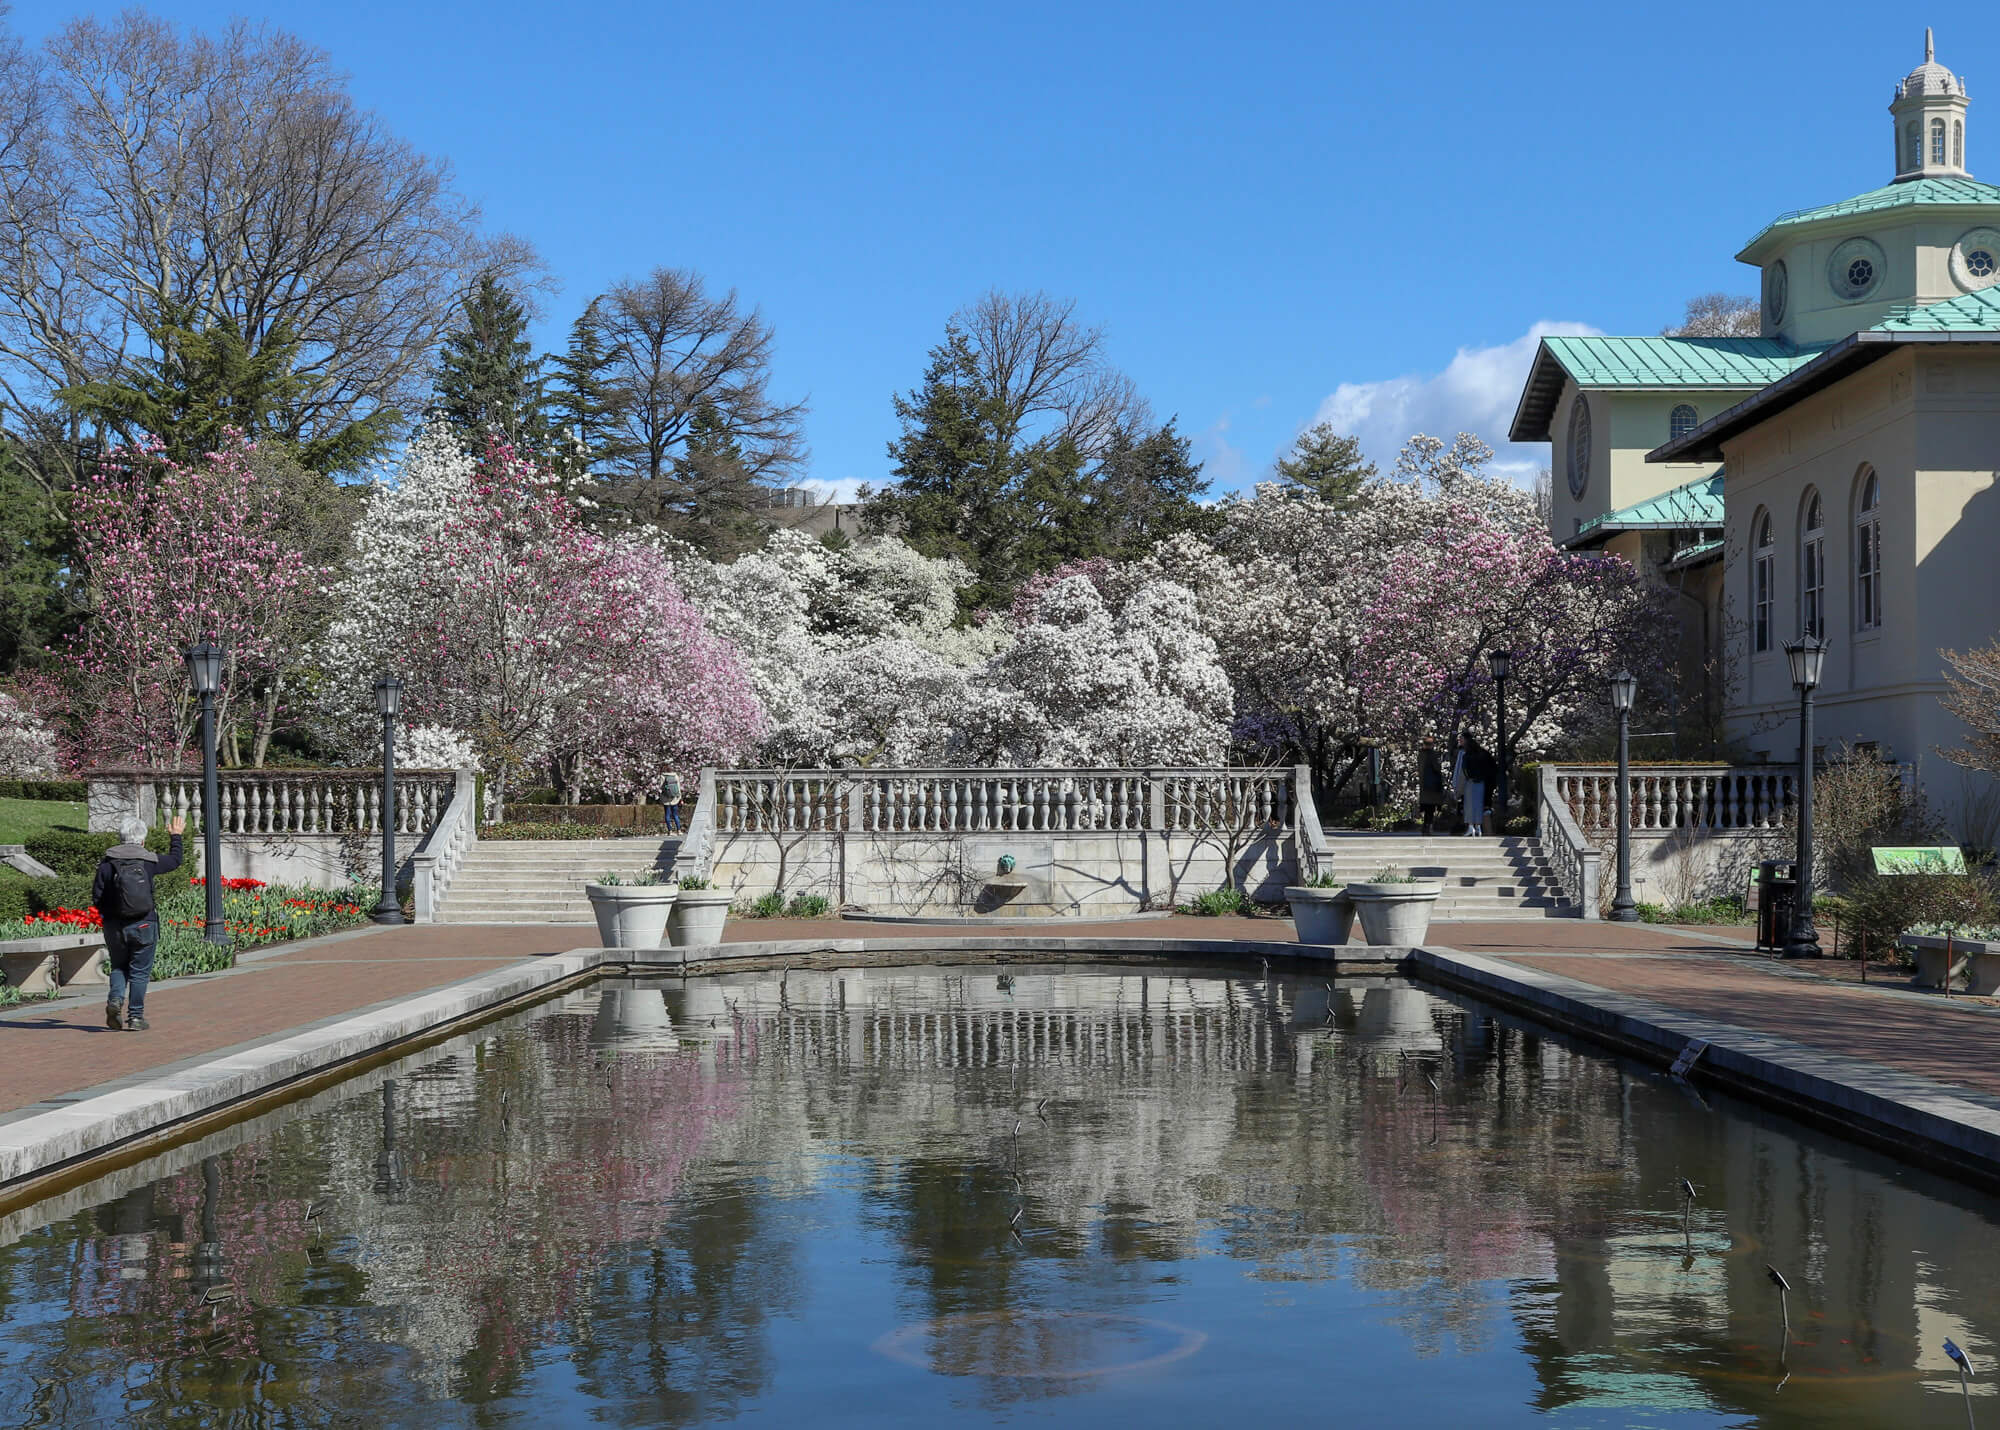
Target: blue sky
(1274,211)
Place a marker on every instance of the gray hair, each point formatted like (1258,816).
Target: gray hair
(132,829)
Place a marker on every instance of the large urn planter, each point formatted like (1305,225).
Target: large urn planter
(1397,915)
(631,915)
(1319,915)
(699,917)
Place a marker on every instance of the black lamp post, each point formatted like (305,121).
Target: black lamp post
(1807,655)
(204,668)
(388,696)
(1501,662)
(1624,690)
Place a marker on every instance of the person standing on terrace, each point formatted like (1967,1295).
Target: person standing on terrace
(123,894)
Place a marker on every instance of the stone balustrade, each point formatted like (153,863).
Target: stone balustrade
(273,802)
(1679,797)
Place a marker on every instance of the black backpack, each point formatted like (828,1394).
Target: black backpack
(130,892)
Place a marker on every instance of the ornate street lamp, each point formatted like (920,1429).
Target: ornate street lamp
(204,668)
(1624,690)
(388,696)
(1807,655)
(1501,662)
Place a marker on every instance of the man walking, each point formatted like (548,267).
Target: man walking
(123,894)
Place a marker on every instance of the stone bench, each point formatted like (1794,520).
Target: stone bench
(40,965)
(1977,960)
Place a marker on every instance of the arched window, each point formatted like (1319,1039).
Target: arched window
(1937,141)
(1681,421)
(1812,570)
(1958,143)
(1763,577)
(1868,553)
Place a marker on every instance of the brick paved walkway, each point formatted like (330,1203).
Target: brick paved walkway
(66,1048)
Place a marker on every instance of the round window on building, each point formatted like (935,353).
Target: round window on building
(1975,259)
(1855,268)
(1579,447)
(1776,283)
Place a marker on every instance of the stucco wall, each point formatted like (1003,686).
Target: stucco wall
(1624,427)
(1918,257)
(1063,873)
(1926,424)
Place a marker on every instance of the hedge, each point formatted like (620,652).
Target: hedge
(44,789)
(77,856)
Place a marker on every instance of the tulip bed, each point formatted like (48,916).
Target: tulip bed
(254,914)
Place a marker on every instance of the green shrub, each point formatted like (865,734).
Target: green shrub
(1521,824)
(809,906)
(764,906)
(1882,907)
(1724,909)
(1217,902)
(68,852)
(69,791)
(13,899)
(65,891)
(556,829)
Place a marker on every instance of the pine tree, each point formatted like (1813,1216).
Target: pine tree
(488,384)
(581,399)
(711,500)
(1325,464)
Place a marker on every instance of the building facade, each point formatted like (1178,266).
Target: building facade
(1844,457)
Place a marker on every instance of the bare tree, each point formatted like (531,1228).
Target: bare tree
(1972,693)
(157,184)
(1047,374)
(687,391)
(1718,315)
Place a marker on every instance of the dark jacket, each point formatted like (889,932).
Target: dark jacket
(149,863)
(1480,766)
(1430,776)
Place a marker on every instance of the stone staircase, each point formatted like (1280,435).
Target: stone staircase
(540,881)
(1483,878)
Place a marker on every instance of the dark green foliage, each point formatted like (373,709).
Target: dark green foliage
(1727,909)
(68,852)
(1327,465)
(560,829)
(35,561)
(488,382)
(68,791)
(764,906)
(1216,903)
(581,397)
(809,906)
(965,488)
(13,896)
(712,501)
(209,380)
(67,891)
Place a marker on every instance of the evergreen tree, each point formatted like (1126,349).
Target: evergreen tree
(711,500)
(1148,489)
(488,383)
(581,399)
(1325,464)
(207,383)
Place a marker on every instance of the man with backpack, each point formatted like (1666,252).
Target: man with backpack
(123,894)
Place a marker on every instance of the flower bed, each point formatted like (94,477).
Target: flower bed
(253,913)
(564,829)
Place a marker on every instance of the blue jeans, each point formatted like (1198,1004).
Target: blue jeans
(131,944)
(673,817)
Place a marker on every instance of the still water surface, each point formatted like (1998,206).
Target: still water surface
(831,1198)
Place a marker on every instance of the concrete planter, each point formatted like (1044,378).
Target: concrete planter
(36,965)
(631,915)
(699,917)
(1398,914)
(1978,959)
(1321,916)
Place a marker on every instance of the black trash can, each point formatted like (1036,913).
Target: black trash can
(1777,903)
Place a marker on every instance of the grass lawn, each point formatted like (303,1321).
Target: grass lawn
(23,819)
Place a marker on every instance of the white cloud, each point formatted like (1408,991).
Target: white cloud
(1476,393)
(842,489)
(1222,461)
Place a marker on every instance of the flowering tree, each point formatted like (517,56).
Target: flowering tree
(172,554)
(28,749)
(546,644)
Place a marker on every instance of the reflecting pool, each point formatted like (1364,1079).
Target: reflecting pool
(1043,1195)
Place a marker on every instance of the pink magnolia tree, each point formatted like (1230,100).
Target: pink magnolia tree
(552,646)
(170,555)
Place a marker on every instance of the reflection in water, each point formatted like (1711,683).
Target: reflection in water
(1087,1192)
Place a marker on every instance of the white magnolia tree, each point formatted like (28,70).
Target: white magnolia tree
(28,749)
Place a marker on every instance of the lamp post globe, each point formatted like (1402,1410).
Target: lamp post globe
(1501,663)
(388,701)
(1624,691)
(204,667)
(1807,657)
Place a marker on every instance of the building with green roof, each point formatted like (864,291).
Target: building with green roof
(1831,474)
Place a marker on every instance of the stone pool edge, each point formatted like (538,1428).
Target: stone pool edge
(68,1141)
(1890,1111)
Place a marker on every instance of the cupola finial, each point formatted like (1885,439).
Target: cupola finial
(1930,50)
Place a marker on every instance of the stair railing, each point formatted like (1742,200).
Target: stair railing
(443,851)
(1577,863)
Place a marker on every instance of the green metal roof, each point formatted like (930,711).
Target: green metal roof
(1970,313)
(1694,364)
(1915,193)
(1696,554)
(1695,505)
(1676,362)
